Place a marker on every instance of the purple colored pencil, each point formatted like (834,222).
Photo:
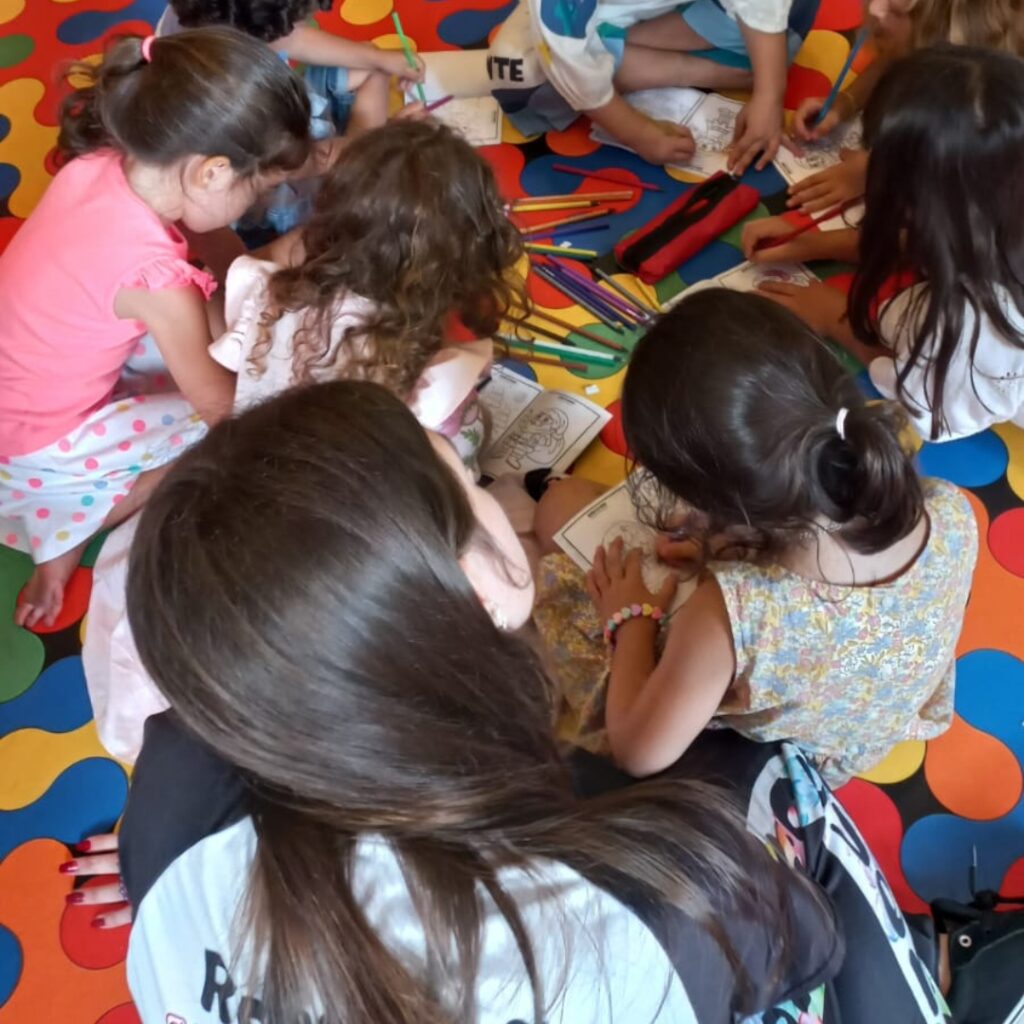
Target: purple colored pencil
(562,285)
(599,295)
(606,313)
(437,104)
(604,295)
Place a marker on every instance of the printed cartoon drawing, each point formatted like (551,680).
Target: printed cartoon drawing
(715,134)
(636,535)
(540,439)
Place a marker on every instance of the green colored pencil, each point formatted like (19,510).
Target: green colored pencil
(404,40)
(583,355)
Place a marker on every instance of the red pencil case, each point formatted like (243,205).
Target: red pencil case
(684,228)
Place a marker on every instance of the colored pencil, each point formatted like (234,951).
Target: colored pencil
(835,211)
(550,361)
(591,288)
(409,58)
(598,176)
(583,355)
(626,293)
(604,197)
(560,204)
(572,291)
(582,331)
(559,250)
(844,71)
(575,296)
(580,231)
(437,104)
(546,332)
(535,229)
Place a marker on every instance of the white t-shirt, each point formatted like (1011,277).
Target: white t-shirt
(975,399)
(448,379)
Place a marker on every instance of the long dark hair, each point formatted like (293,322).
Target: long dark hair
(410,219)
(295,593)
(211,91)
(730,404)
(945,191)
(268,20)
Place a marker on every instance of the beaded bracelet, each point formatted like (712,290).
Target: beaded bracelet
(631,611)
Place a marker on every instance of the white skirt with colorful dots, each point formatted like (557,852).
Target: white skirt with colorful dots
(54,499)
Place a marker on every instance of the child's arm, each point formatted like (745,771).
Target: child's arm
(659,142)
(654,711)
(309,45)
(176,317)
(849,103)
(811,245)
(760,123)
(841,183)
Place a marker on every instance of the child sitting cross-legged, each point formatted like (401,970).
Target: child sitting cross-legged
(838,628)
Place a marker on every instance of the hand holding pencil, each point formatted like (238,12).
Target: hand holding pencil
(777,240)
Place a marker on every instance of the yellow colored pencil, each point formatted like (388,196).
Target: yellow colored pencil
(595,196)
(554,250)
(563,204)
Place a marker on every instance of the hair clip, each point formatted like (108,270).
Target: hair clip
(841,422)
(147,49)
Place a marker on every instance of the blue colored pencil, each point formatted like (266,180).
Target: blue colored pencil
(407,49)
(844,71)
(563,286)
(589,299)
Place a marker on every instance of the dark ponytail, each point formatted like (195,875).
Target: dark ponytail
(213,92)
(732,405)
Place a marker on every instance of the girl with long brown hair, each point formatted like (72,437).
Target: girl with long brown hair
(408,230)
(356,809)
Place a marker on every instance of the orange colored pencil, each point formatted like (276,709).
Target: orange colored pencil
(599,196)
(533,229)
(582,331)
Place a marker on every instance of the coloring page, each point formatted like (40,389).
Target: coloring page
(818,156)
(551,432)
(711,118)
(608,518)
(477,120)
(504,396)
(747,277)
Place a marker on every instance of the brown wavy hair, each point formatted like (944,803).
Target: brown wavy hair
(995,24)
(409,218)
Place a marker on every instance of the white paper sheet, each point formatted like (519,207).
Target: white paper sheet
(818,156)
(747,277)
(551,432)
(608,518)
(504,397)
(477,120)
(711,118)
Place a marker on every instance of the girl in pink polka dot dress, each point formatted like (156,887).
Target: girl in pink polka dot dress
(170,134)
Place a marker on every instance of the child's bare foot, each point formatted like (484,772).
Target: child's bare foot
(43,596)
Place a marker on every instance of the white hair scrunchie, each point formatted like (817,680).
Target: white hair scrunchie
(841,422)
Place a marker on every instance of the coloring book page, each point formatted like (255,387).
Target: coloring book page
(477,120)
(608,518)
(710,117)
(818,156)
(504,396)
(748,277)
(552,431)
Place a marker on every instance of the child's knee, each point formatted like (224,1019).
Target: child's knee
(559,503)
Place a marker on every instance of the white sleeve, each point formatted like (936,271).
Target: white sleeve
(244,301)
(575,60)
(761,15)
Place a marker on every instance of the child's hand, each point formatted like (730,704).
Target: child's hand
(842,183)
(765,229)
(393,62)
(820,307)
(112,899)
(664,142)
(758,130)
(804,127)
(616,581)
(411,112)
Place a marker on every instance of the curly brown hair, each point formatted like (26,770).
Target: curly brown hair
(411,220)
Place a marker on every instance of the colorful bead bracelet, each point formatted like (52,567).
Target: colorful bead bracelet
(631,611)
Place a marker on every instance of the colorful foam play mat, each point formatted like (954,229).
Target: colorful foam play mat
(925,810)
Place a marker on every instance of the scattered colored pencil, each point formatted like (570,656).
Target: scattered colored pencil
(583,355)
(409,58)
(552,361)
(561,250)
(604,197)
(626,293)
(844,71)
(835,211)
(598,176)
(547,226)
(603,313)
(600,295)
(579,231)
(437,104)
(582,331)
(559,204)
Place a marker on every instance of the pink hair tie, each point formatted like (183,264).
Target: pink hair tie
(147,49)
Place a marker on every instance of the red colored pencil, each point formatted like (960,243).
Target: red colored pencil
(599,176)
(771,243)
